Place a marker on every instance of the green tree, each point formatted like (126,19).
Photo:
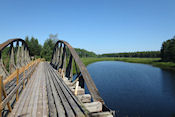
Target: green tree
(34,47)
(48,47)
(168,50)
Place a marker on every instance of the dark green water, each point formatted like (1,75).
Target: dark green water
(135,89)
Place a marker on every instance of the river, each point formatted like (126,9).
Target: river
(135,90)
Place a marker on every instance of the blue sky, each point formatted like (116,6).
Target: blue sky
(102,26)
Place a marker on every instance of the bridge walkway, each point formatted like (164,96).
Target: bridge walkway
(46,94)
(33,99)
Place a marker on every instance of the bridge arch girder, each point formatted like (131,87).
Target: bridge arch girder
(68,54)
(14,57)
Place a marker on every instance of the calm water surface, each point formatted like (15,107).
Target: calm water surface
(135,89)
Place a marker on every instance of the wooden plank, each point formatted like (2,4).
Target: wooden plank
(22,109)
(17,81)
(5,95)
(23,106)
(31,103)
(6,100)
(45,100)
(20,105)
(59,106)
(93,106)
(76,88)
(51,105)
(102,114)
(64,101)
(69,98)
(80,91)
(40,97)
(10,96)
(35,103)
(86,98)
(41,94)
(84,110)
(22,99)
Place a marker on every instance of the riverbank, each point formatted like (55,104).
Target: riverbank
(90,60)
(151,61)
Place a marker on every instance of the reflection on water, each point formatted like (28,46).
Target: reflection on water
(135,89)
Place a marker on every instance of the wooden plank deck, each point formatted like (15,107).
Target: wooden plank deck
(48,94)
(61,97)
(33,99)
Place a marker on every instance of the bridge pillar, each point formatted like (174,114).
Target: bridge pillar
(22,55)
(3,71)
(18,57)
(60,57)
(28,56)
(54,58)
(69,69)
(63,65)
(12,66)
(25,56)
(57,58)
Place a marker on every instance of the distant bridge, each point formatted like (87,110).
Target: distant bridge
(36,88)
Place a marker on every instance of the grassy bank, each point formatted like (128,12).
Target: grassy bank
(90,60)
(152,61)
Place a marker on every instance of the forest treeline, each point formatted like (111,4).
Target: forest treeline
(144,54)
(166,53)
(46,50)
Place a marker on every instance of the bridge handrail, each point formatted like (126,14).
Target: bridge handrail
(32,65)
(21,70)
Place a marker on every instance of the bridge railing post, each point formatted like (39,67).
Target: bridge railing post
(17,81)
(28,72)
(76,88)
(2,92)
(24,70)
